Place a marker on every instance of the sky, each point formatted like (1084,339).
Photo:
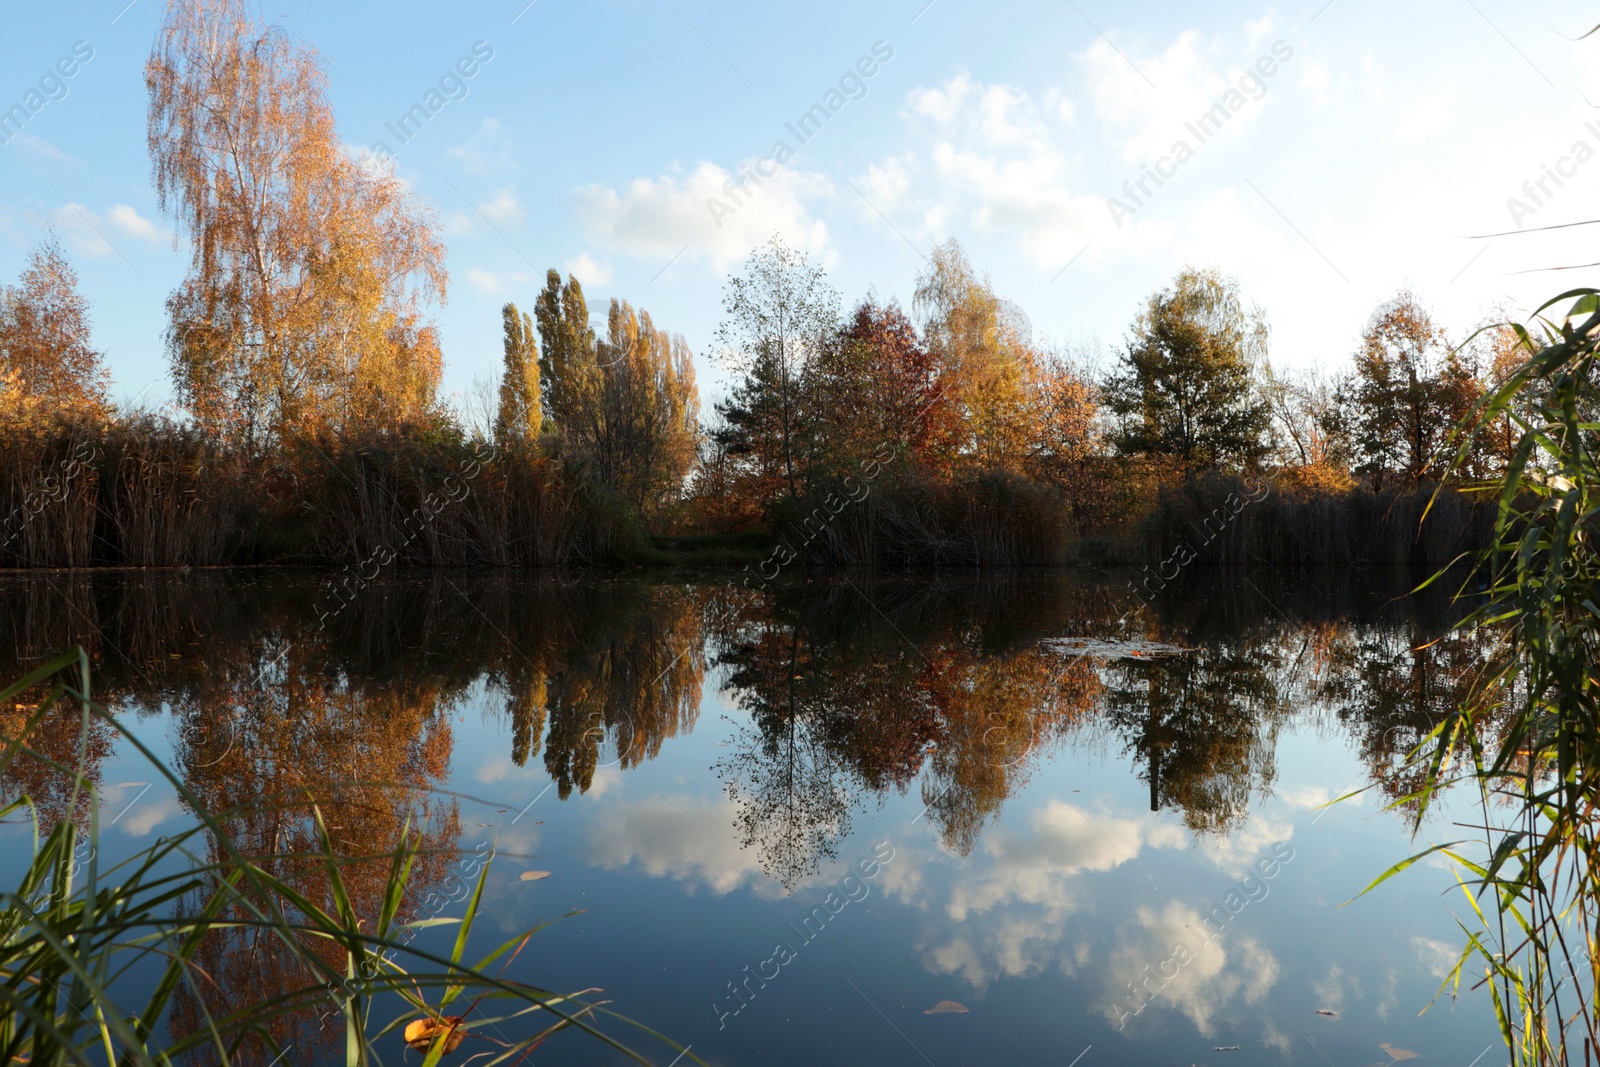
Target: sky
(1352,148)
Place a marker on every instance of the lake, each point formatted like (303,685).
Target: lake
(786,827)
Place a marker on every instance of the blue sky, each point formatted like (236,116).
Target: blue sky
(594,137)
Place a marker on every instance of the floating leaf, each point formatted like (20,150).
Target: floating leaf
(1397,1053)
(947,1007)
(1102,649)
(534,876)
(420,1034)
(1225,1048)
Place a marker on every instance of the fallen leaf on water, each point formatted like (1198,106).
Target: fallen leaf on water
(1329,1014)
(947,1007)
(534,876)
(1397,1053)
(420,1034)
(1225,1048)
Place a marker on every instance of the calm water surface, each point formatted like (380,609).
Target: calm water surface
(796,822)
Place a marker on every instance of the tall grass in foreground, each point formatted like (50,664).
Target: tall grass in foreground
(1527,740)
(94,958)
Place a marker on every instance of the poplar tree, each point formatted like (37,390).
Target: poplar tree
(520,415)
(568,373)
(626,405)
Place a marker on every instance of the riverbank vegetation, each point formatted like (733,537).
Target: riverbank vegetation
(308,424)
(1521,740)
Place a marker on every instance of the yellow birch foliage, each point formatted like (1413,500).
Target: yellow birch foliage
(303,303)
(47,364)
(985,364)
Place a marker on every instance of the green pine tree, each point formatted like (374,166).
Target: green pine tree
(1186,388)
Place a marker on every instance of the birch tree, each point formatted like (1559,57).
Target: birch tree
(45,352)
(310,270)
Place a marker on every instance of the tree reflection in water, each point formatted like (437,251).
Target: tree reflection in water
(849,690)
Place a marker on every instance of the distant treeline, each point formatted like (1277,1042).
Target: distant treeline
(866,439)
(308,426)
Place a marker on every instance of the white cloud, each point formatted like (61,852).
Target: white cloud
(1425,115)
(1237,852)
(488,151)
(688,840)
(498,767)
(886,184)
(93,234)
(146,815)
(586,270)
(1437,957)
(1011,915)
(945,103)
(659,218)
(39,146)
(1305,797)
(499,283)
(1210,981)
(130,222)
(1316,80)
(84,232)
(1374,73)
(1000,163)
(1124,91)
(1336,990)
(1065,842)
(504,207)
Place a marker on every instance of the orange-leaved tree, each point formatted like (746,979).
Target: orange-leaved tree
(47,363)
(303,307)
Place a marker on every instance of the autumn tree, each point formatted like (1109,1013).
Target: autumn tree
(1410,389)
(780,316)
(1186,386)
(714,495)
(1496,442)
(648,426)
(1309,429)
(569,376)
(626,405)
(303,306)
(1062,419)
(877,385)
(983,356)
(520,414)
(45,352)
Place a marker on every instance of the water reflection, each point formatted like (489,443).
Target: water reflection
(846,692)
(850,689)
